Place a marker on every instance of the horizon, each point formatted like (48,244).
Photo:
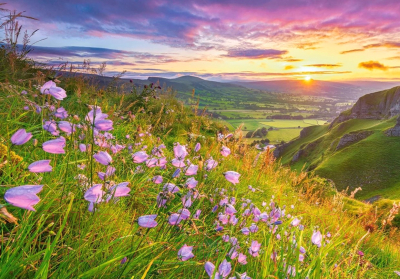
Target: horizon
(235,42)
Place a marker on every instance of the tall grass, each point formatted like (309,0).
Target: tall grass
(62,239)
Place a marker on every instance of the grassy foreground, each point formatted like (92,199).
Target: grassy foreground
(268,223)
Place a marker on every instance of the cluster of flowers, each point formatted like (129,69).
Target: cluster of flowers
(241,221)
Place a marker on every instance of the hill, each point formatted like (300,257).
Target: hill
(359,149)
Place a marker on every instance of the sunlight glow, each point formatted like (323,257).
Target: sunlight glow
(307,78)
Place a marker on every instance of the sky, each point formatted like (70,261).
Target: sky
(221,39)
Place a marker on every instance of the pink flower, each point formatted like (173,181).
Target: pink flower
(40,166)
(185,253)
(316,238)
(242,259)
(51,127)
(103,125)
(94,194)
(197,147)
(180,151)
(192,170)
(209,267)
(254,248)
(230,209)
(191,183)
(232,176)
(224,268)
(295,222)
(66,127)
(186,201)
(147,221)
(55,146)
(20,137)
(95,115)
(225,151)
(174,219)
(61,113)
(139,157)
(158,179)
(82,147)
(120,190)
(169,187)
(210,164)
(197,214)
(51,88)
(178,163)
(23,196)
(103,158)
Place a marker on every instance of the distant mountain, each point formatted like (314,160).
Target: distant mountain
(352,90)
(361,148)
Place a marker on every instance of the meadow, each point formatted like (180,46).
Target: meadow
(100,184)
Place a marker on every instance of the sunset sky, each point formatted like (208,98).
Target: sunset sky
(222,40)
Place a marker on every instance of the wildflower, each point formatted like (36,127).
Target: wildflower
(224,268)
(295,222)
(61,113)
(119,190)
(185,253)
(245,231)
(94,194)
(95,115)
(225,238)
(55,146)
(20,137)
(82,147)
(66,127)
(124,260)
(211,164)
(191,183)
(139,157)
(169,187)
(174,219)
(176,173)
(230,209)
(51,88)
(197,147)
(51,127)
(103,158)
(23,196)
(233,220)
(186,201)
(192,170)
(180,151)
(147,221)
(103,125)
(158,179)
(178,163)
(232,176)
(254,248)
(316,238)
(225,151)
(242,259)
(209,267)
(197,214)
(40,166)
(253,228)
(184,214)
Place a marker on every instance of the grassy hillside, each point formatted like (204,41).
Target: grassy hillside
(370,163)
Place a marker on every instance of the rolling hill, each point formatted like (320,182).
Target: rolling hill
(361,148)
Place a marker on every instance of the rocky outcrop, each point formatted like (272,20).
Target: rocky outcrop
(351,138)
(279,149)
(395,131)
(304,151)
(378,105)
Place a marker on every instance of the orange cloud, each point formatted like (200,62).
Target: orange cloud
(289,67)
(372,65)
(325,65)
(352,50)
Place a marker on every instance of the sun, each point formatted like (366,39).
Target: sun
(307,78)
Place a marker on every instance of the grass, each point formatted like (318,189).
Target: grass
(62,239)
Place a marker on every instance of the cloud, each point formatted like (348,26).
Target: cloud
(325,65)
(289,67)
(255,53)
(352,50)
(372,65)
(209,24)
(290,59)
(393,58)
(377,45)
